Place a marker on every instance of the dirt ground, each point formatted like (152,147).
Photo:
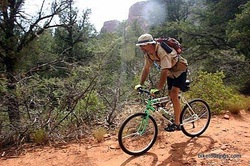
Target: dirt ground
(226,142)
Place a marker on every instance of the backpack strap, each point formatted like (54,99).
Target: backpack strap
(158,67)
(168,50)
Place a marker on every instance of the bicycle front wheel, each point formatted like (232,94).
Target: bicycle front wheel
(137,134)
(195,118)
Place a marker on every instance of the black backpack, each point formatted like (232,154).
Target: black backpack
(168,43)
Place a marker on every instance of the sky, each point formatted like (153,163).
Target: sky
(105,10)
(101,10)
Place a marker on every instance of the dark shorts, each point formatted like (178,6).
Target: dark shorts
(177,82)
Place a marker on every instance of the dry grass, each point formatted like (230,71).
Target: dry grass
(236,107)
(99,134)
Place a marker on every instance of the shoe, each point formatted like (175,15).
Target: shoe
(173,127)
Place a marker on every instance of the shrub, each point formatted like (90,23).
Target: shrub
(90,107)
(210,87)
(99,133)
(237,104)
(39,136)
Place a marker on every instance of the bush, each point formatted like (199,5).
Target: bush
(39,136)
(210,87)
(90,107)
(238,104)
(99,134)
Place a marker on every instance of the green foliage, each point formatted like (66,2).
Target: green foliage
(232,65)
(33,55)
(3,88)
(60,104)
(235,105)
(91,107)
(71,40)
(210,87)
(39,136)
(238,30)
(174,10)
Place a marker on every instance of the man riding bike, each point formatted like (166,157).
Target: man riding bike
(173,70)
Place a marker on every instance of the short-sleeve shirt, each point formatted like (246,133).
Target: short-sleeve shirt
(165,60)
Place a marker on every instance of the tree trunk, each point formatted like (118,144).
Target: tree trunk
(13,107)
(13,111)
(12,101)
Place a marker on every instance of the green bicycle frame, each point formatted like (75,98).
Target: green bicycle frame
(143,125)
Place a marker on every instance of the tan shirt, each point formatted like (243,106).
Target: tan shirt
(167,61)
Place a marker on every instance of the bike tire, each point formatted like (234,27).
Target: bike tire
(202,110)
(133,143)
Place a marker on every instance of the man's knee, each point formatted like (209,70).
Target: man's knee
(173,93)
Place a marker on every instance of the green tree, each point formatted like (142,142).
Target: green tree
(238,30)
(177,11)
(73,35)
(210,29)
(17,32)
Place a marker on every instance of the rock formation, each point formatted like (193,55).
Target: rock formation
(137,12)
(110,26)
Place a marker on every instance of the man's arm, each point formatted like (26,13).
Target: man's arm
(163,78)
(144,74)
(145,71)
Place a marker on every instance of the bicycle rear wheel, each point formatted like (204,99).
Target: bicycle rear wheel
(195,118)
(137,134)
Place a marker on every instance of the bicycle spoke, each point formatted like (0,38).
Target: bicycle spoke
(195,118)
(137,134)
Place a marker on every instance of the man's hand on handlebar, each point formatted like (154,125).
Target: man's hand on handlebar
(137,87)
(153,92)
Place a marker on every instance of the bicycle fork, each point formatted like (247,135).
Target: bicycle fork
(144,121)
(143,125)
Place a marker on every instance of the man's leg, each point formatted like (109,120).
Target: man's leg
(178,83)
(174,89)
(176,103)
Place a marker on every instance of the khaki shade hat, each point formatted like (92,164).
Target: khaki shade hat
(145,39)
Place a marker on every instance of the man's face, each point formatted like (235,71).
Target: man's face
(149,48)
(144,48)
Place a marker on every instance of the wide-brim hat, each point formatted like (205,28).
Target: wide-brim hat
(145,39)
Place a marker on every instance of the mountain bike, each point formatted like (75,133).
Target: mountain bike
(139,131)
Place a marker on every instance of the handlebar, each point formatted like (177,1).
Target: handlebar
(140,90)
(183,89)
(153,99)
(147,92)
